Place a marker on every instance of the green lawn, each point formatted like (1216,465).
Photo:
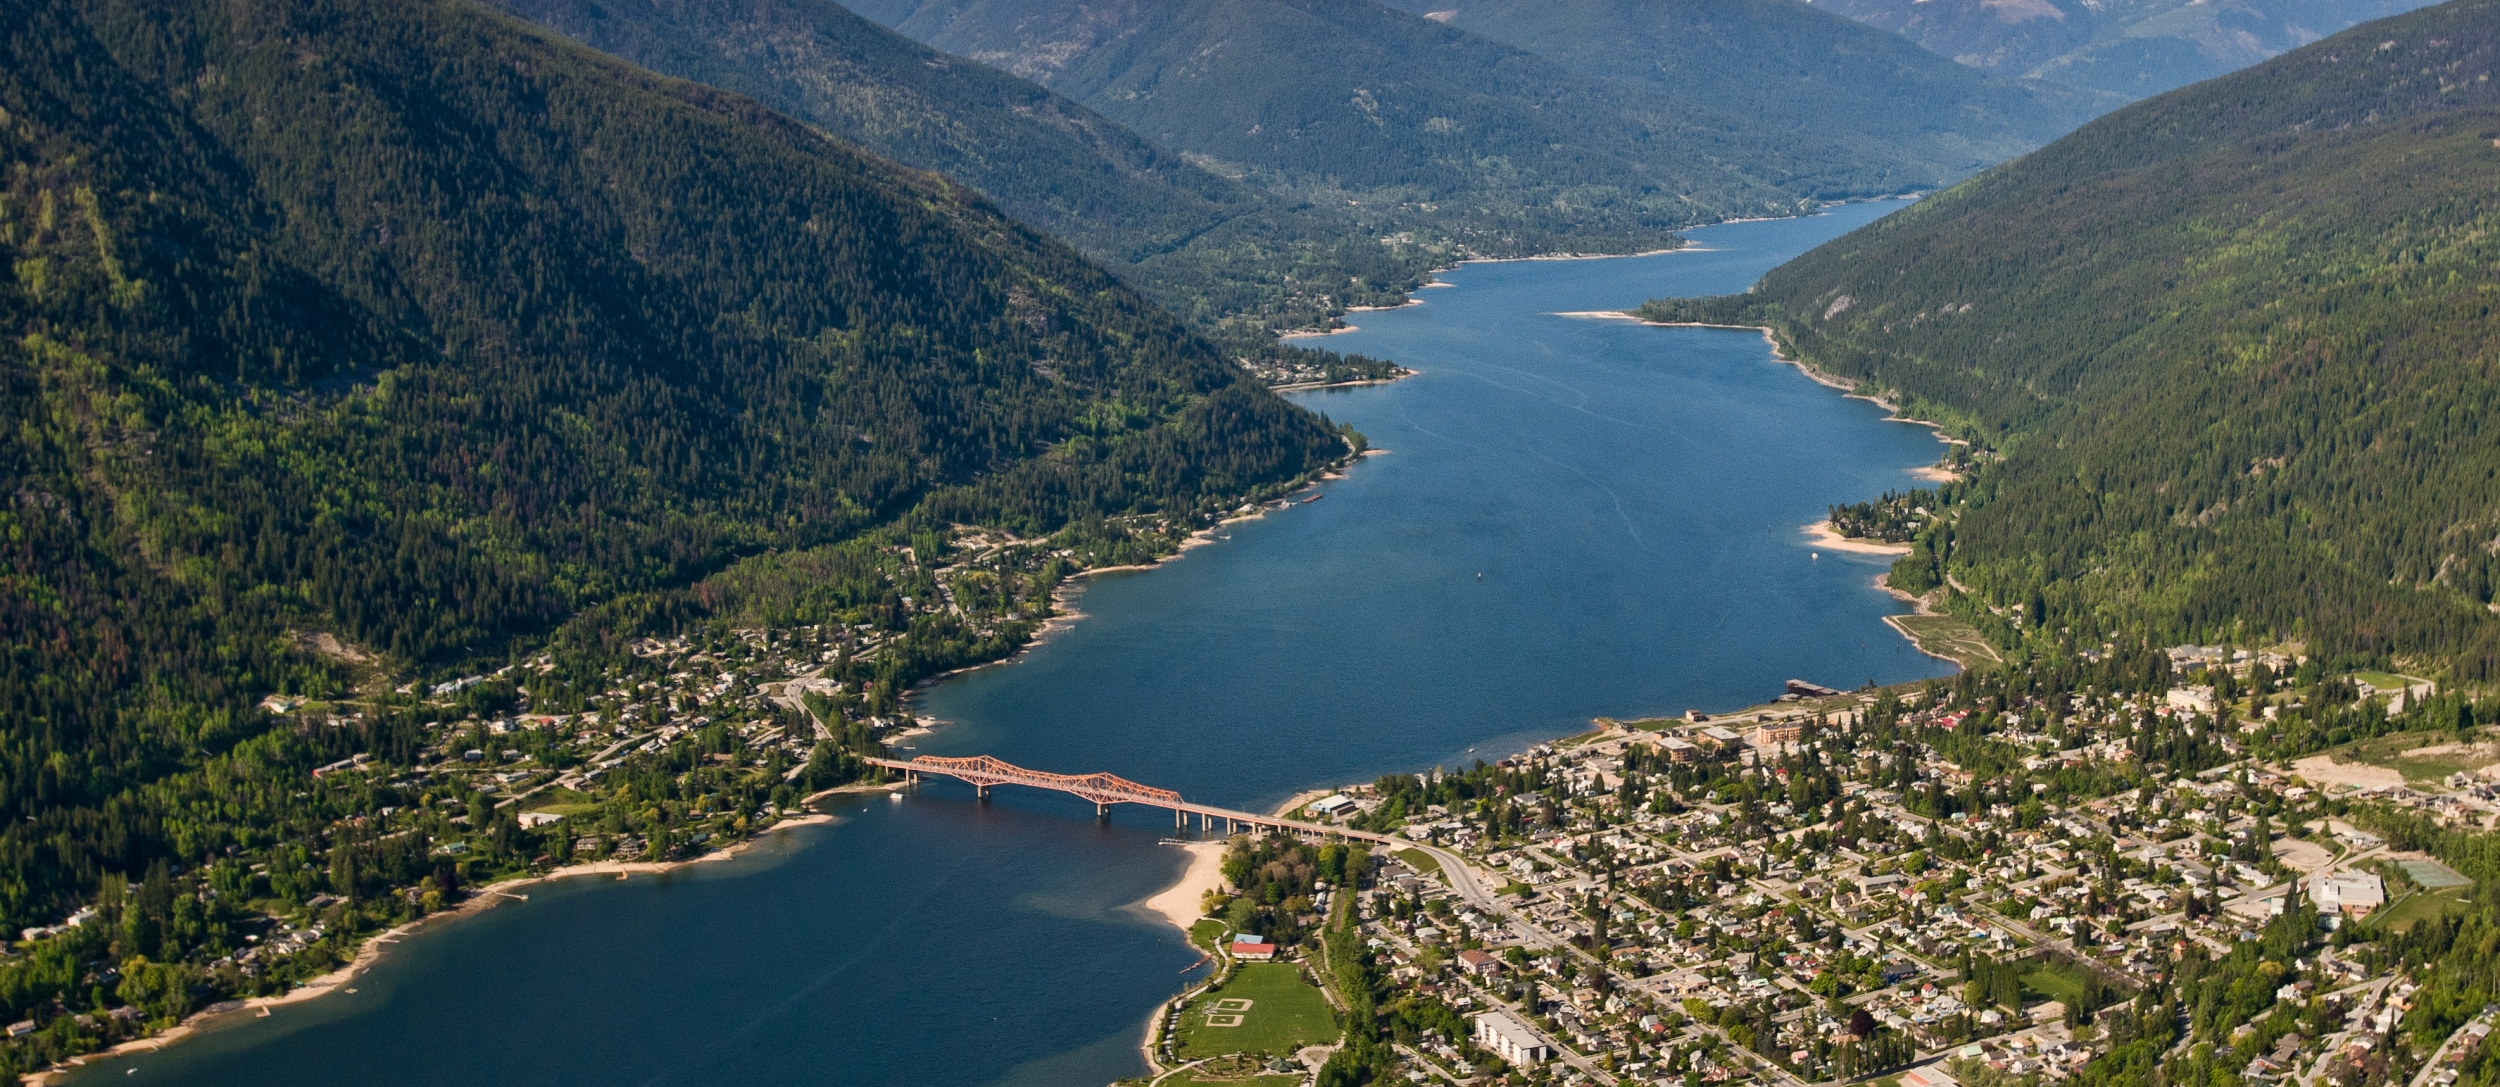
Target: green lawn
(2054,985)
(1420,861)
(1205,933)
(2415,908)
(1947,636)
(1266,1008)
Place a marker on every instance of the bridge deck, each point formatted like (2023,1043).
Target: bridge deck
(1105,790)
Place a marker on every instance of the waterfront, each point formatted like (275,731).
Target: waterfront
(1574,517)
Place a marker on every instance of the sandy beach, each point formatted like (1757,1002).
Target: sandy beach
(1822,535)
(1180,903)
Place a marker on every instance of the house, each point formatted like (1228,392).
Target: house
(1252,949)
(1931,1076)
(1679,750)
(539,818)
(1479,963)
(1506,1037)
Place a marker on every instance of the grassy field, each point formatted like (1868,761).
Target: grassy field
(2413,909)
(1947,636)
(1205,933)
(2056,987)
(1266,1008)
(1420,861)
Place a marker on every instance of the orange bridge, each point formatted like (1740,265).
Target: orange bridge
(984,772)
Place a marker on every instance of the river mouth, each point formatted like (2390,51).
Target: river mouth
(1573,518)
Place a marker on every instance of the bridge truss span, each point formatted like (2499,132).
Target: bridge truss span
(984,772)
(1101,788)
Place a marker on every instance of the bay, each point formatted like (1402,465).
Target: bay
(1572,518)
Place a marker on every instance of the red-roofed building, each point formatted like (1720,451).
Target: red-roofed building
(1259,951)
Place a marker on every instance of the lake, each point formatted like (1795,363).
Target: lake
(1570,518)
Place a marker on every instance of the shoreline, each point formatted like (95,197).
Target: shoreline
(1848,388)
(1822,535)
(1177,904)
(1180,903)
(1063,610)
(369,951)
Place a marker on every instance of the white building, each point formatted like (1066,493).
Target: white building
(2191,699)
(2354,894)
(1506,1037)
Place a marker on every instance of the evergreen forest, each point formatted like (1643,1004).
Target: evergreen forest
(343,331)
(2227,358)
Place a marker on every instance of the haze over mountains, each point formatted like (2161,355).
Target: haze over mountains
(1426,130)
(2131,48)
(1788,71)
(2238,345)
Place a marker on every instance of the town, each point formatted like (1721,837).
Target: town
(2052,872)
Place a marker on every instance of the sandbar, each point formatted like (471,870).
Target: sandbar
(1183,903)
(1823,535)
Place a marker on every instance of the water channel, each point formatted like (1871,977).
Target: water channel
(1572,518)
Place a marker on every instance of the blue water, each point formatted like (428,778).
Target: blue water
(1573,518)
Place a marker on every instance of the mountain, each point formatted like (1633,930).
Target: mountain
(405,325)
(2236,345)
(1207,246)
(2130,48)
(1792,72)
(1423,131)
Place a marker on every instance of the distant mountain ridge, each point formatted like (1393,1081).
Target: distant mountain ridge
(2131,48)
(1207,246)
(2238,342)
(1423,129)
(1420,129)
(1790,71)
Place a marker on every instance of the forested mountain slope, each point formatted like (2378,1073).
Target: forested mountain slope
(2238,344)
(404,322)
(1207,246)
(1791,72)
(2133,48)
(1426,132)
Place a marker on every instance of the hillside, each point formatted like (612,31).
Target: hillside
(2236,343)
(1206,246)
(1424,132)
(2131,48)
(405,329)
(1792,73)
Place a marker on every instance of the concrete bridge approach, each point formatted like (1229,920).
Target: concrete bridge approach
(985,773)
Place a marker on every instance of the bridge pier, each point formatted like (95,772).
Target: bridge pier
(1102,810)
(981,792)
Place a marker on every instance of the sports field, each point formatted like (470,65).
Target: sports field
(1266,1008)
